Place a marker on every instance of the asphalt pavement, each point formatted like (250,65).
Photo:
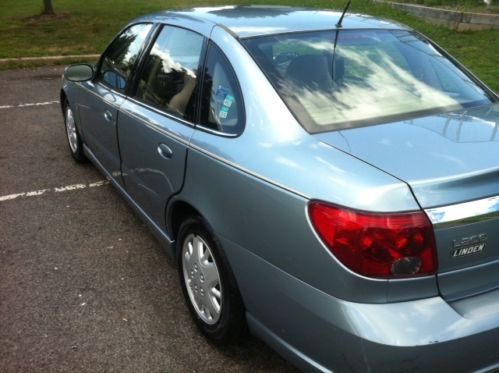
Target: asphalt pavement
(84,286)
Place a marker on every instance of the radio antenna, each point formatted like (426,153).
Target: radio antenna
(338,25)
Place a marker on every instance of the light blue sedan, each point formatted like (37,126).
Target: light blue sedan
(329,184)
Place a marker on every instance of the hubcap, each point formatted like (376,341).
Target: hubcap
(202,279)
(71,130)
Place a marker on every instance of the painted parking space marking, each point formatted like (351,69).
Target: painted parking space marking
(66,188)
(30,104)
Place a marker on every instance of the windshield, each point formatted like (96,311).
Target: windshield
(334,80)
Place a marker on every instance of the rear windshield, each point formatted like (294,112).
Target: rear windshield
(334,80)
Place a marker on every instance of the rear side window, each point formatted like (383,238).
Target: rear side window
(168,79)
(221,108)
(120,58)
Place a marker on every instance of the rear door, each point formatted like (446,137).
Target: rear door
(101,98)
(157,121)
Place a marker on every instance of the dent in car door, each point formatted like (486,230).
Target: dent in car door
(155,125)
(100,99)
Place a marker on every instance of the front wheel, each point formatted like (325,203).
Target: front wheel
(74,139)
(208,285)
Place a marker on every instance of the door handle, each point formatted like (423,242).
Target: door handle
(165,151)
(108,116)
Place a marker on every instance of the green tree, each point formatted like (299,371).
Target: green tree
(47,7)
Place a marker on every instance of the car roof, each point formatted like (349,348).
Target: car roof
(248,21)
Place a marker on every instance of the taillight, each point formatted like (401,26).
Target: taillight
(377,244)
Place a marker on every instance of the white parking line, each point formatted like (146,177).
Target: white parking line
(66,188)
(29,104)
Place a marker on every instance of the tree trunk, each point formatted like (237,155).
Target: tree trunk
(47,7)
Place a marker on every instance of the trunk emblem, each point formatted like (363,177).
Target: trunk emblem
(469,245)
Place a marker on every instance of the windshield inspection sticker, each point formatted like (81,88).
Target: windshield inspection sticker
(223,112)
(222,96)
(228,100)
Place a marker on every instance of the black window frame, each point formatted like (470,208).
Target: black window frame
(131,78)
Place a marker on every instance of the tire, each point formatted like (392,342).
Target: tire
(208,285)
(72,134)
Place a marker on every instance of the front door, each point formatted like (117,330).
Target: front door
(101,98)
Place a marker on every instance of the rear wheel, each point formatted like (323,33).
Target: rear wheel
(72,134)
(208,285)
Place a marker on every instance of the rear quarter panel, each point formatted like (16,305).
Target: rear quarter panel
(254,190)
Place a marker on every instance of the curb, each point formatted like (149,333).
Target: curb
(456,20)
(50,58)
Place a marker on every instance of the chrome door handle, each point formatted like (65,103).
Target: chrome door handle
(108,116)
(165,151)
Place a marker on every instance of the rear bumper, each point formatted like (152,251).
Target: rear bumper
(358,355)
(463,354)
(319,332)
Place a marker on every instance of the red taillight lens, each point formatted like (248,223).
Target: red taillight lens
(377,245)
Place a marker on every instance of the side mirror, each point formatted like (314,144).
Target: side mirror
(79,73)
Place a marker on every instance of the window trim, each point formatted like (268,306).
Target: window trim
(97,79)
(212,44)
(131,95)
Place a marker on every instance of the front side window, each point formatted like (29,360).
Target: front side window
(120,58)
(334,81)
(221,107)
(169,76)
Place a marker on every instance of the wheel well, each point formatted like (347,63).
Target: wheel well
(180,211)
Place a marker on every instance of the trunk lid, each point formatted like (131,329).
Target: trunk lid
(447,159)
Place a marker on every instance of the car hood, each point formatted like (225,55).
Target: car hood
(446,158)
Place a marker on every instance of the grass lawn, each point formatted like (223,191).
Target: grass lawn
(476,6)
(86,27)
